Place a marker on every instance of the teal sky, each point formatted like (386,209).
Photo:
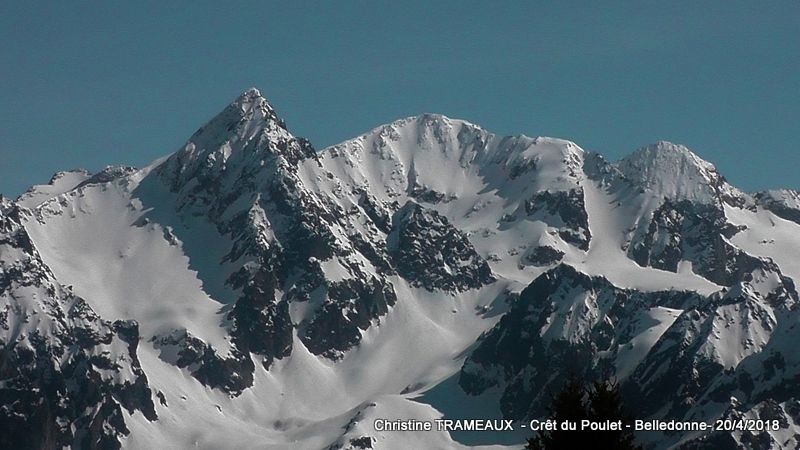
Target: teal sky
(88,84)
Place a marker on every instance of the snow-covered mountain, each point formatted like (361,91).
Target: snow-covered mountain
(248,291)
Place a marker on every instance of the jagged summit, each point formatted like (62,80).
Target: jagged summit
(251,93)
(247,117)
(254,105)
(247,134)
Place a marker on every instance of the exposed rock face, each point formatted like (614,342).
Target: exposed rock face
(567,322)
(242,171)
(232,374)
(65,373)
(561,323)
(246,157)
(544,256)
(700,370)
(428,251)
(350,306)
(698,233)
(569,208)
(261,323)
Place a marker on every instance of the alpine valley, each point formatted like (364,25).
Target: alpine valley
(251,292)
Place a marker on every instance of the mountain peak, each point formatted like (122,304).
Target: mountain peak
(673,155)
(249,117)
(251,92)
(247,133)
(254,105)
(673,171)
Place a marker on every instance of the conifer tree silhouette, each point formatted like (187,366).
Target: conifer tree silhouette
(605,403)
(575,402)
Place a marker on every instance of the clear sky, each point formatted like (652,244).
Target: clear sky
(88,84)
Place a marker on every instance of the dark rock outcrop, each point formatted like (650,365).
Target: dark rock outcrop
(429,252)
(569,211)
(697,233)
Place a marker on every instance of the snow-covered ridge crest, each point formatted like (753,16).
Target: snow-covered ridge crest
(442,159)
(456,139)
(60,183)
